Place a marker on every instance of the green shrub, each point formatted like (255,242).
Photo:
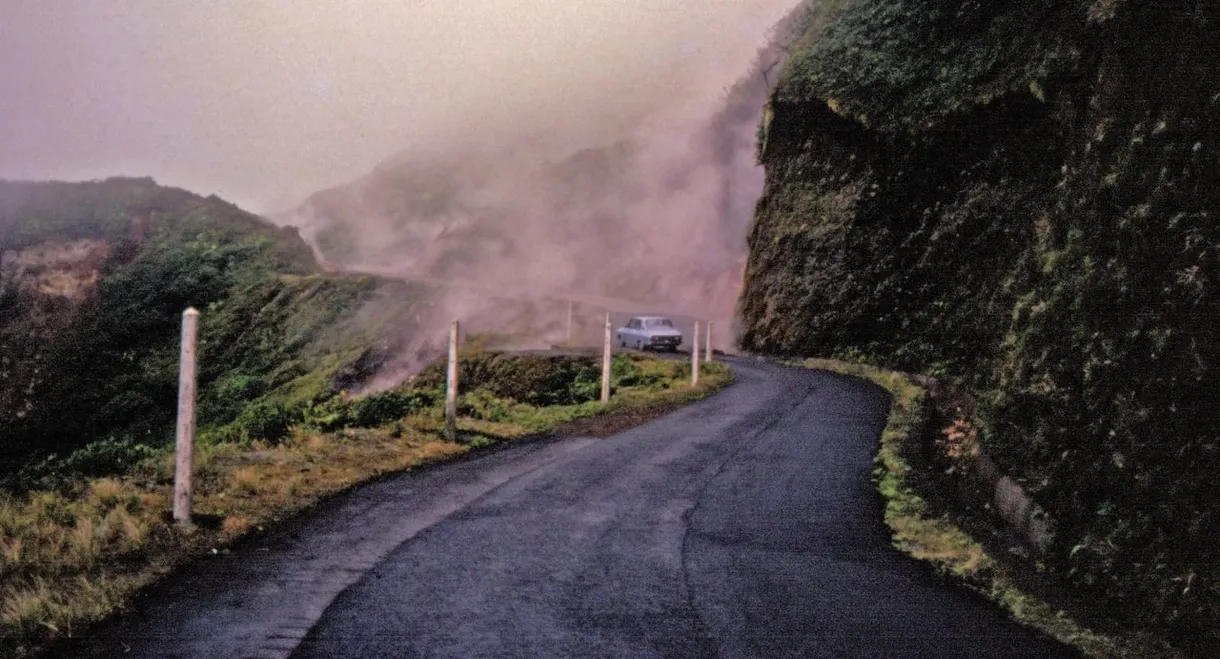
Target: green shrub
(584,390)
(386,406)
(483,405)
(327,415)
(104,457)
(230,395)
(623,371)
(58,511)
(337,412)
(265,421)
(531,379)
(626,372)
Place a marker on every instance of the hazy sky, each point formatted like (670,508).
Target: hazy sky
(265,101)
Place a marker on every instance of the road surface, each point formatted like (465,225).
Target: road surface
(745,525)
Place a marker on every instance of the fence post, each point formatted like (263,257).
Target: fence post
(708,348)
(451,385)
(694,358)
(184,458)
(606,364)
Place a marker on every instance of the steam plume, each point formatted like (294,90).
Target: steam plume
(654,216)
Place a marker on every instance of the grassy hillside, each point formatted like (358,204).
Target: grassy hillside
(1020,195)
(93,280)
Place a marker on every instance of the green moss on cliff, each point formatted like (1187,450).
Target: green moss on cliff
(908,65)
(1021,195)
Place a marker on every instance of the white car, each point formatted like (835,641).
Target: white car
(649,333)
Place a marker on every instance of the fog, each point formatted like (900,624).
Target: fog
(266,102)
(649,215)
(521,153)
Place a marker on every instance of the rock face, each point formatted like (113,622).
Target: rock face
(60,269)
(1022,195)
(52,279)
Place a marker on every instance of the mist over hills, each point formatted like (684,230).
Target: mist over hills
(657,216)
(93,275)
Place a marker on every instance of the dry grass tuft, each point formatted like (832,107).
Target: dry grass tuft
(247,481)
(106,492)
(235,525)
(83,542)
(10,551)
(436,450)
(26,607)
(316,443)
(291,487)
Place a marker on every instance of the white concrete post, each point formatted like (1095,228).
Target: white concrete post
(184,449)
(694,358)
(708,346)
(569,323)
(606,364)
(451,385)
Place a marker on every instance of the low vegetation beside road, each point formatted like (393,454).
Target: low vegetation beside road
(76,547)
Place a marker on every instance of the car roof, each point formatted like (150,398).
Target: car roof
(651,318)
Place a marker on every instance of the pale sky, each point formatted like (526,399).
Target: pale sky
(266,101)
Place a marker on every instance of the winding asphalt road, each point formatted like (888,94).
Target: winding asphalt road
(745,525)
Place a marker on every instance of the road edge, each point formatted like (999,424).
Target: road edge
(951,552)
(622,415)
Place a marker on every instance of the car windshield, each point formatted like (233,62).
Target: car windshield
(659,322)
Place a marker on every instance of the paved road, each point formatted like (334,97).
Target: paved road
(745,525)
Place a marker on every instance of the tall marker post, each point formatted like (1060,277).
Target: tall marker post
(708,346)
(606,364)
(694,358)
(569,339)
(451,385)
(184,448)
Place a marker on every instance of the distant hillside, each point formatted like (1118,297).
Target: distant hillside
(93,280)
(1022,196)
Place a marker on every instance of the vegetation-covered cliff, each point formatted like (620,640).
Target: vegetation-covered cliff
(1022,196)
